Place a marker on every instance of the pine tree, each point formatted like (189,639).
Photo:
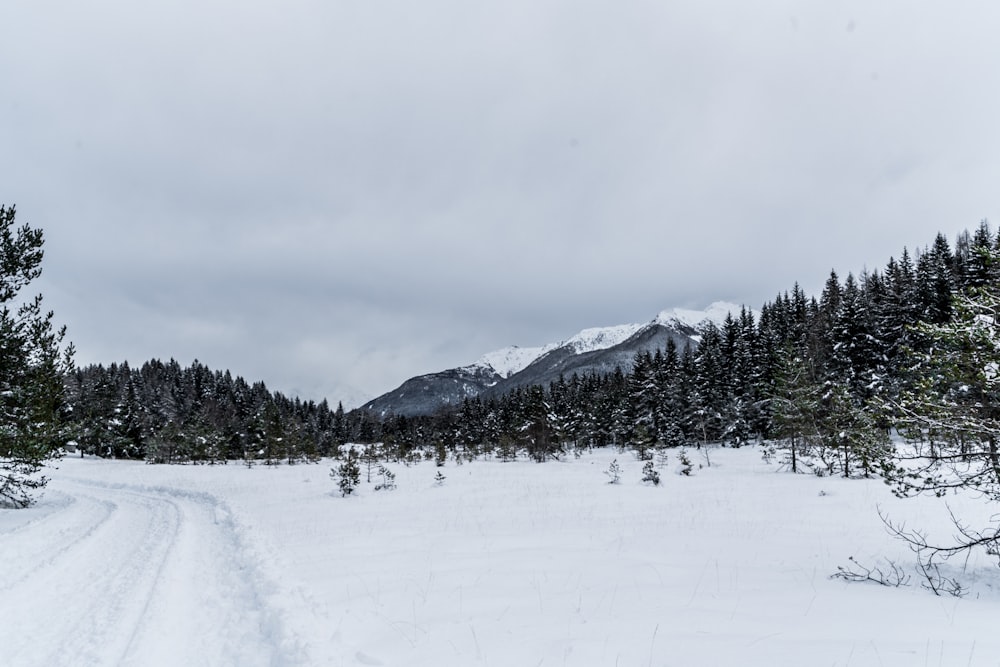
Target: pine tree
(711,386)
(936,282)
(953,404)
(649,474)
(851,434)
(950,414)
(853,356)
(642,403)
(981,263)
(669,401)
(32,368)
(743,377)
(536,430)
(388,479)
(794,406)
(347,474)
(369,456)
(612,417)
(614,472)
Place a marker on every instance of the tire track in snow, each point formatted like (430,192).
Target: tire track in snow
(36,515)
(221,608)
(72,608)
(160,578)
(37,544)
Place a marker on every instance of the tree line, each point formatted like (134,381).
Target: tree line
(165,413)
(821,381)
(810,375)
(815,377)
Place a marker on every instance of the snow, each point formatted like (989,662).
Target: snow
(601,338)
(513,359)
(503,564)
(510,360)
(715,313)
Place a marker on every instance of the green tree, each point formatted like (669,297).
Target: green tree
(852,439)
(952,404)
(949,412)
(536,431)
(32,368)
(794,410)
(348,474)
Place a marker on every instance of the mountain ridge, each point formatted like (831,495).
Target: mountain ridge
(596,349)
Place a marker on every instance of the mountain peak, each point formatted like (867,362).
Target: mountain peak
(596,350)
(510,360)
(716,314)
(513,359)
(601,338)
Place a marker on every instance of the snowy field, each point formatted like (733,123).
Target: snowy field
(505,564)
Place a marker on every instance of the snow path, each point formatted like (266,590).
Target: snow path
(122,563)
(119,574)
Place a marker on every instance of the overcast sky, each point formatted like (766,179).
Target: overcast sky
(333,196)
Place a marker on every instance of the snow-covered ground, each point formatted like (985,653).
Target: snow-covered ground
(505,564)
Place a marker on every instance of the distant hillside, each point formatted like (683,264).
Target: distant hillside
(597,350)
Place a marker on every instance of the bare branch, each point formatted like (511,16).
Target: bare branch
(892,575)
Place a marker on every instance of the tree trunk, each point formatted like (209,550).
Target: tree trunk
(994,459)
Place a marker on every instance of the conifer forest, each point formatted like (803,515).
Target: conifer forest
(821,379)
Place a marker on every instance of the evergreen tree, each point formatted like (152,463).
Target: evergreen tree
(388,479)
(649,474)
(711,386)
(794,407)
(340,430)
(852,355)
(743,379)
(614,472)
(642,403)
(369,457)
(819,319)
(347,474)
(953,403)
(949,412)
(851,434)
(537,435)
(612,412)
(670,404)
(936,282)
(980,263)
(32,368)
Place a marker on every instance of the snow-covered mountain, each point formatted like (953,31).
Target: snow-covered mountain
(598,349)
(510,360)
(680,317)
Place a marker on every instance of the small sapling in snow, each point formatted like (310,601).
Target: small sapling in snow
(439,478)
(388,479)
(685,462)
(614,471)
(347,474)
(661,457)
(370,458)
(649,474)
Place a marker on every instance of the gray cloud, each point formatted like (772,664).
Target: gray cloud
(334,196)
